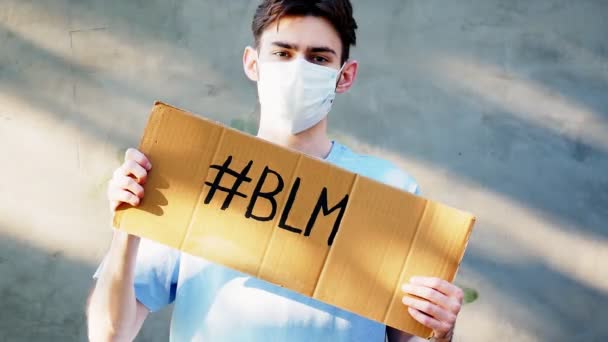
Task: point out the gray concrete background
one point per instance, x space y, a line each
497 107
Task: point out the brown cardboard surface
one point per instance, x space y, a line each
335 236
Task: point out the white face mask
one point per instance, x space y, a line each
295 95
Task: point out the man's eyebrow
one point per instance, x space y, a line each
315 49
285 45
323 49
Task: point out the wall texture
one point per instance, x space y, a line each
497 107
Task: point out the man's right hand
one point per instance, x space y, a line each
126 185
113 311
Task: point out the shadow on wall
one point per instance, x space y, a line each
36 84
520 154
43 296
117 64
543 297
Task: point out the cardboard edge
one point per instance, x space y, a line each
160 104
228 128
154 115
471 222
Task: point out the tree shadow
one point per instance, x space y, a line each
42 85
43 296
544 170
574 310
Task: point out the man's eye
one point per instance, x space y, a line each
320 59
281 54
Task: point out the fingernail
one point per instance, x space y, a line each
414 279
405 287
406 300
149 166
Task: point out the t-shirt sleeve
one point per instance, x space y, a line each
156 273
398 178
417 190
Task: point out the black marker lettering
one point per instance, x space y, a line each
257 192
292 196
322 205
239 178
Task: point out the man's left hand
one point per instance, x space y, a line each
440 304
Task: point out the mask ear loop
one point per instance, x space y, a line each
340 74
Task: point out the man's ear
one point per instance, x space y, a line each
349 74
250 63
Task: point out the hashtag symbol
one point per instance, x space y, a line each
239 178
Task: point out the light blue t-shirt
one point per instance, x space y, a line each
215 303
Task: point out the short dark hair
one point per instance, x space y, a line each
338 12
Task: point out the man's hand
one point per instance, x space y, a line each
113 311
126 184
438 307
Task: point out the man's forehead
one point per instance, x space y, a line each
302 31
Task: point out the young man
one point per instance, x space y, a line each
300 61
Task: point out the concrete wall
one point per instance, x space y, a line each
497 107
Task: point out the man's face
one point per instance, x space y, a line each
308 37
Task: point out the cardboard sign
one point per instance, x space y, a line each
291 219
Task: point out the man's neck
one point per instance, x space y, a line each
312 142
